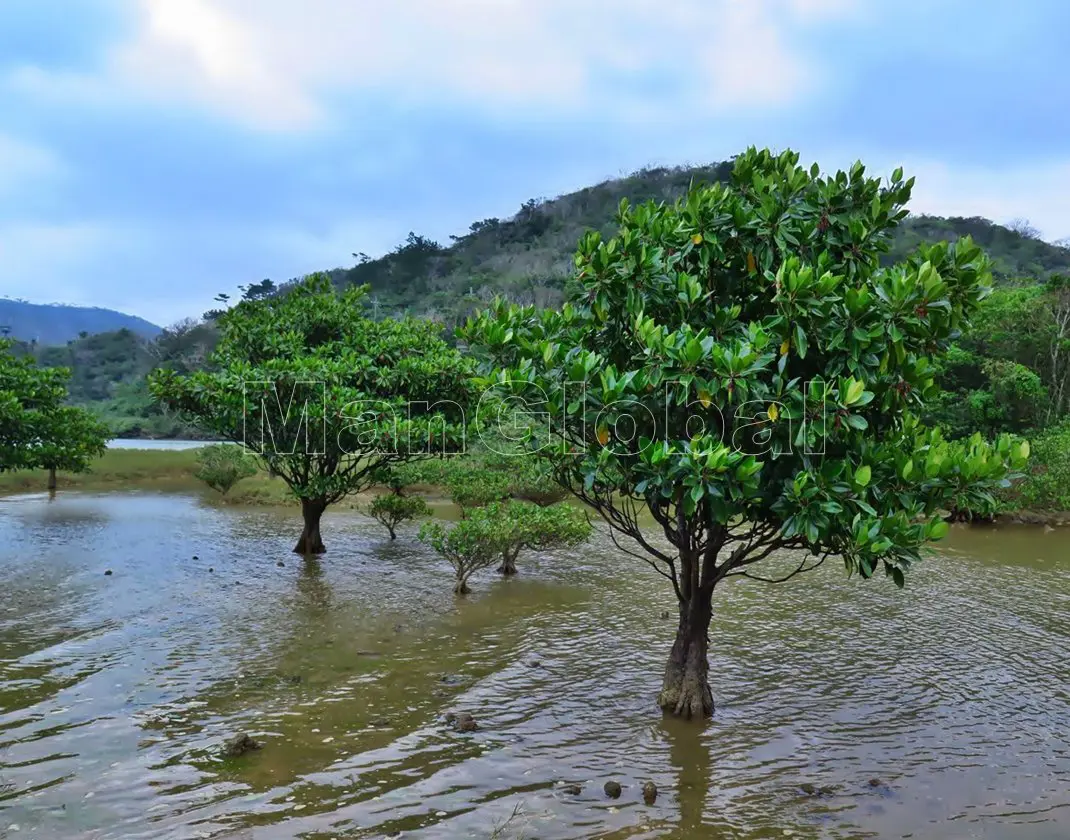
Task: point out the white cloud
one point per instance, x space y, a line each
275 63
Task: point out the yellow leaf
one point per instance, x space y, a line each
784 347
752 264
697 238
773 412
704 397
603 435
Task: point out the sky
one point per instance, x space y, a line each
156 152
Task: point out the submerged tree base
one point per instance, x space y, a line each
507 568
686 695
309 546
685 690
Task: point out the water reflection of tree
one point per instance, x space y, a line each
690 757
314 599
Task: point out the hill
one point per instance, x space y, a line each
528 257
56 323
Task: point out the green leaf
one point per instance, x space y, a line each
938 530
863 475
855 389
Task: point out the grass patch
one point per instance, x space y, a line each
111 471
133 469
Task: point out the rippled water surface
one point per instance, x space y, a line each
845 708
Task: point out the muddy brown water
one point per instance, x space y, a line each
117 691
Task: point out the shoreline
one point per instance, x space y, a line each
173 469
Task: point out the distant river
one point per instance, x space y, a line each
123 443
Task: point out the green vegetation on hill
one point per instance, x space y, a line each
109 371
1000 376
529 258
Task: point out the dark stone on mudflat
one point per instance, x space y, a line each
573 790
612 789
239 745
650 793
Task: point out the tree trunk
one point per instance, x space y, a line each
51 479
310 543
508 566
685 691
461 587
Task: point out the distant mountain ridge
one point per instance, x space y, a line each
58 323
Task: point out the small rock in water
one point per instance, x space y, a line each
195 557
211 569
808 788
280 564
875 783
465 723
451 717
664 614
239 745
573 790
612 789
650 793
107 572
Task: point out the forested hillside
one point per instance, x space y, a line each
1008 374
529 256
55 323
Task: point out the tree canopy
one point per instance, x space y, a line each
326 397
37 429
741 365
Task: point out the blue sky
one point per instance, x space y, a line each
156 152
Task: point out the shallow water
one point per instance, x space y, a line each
117 691
155 445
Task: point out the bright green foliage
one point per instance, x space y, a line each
37 431
470 545
391 509
1010 370
492 470
533 526
471 486
1046 485
741 366
761 303
499 532
223 465
325 396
